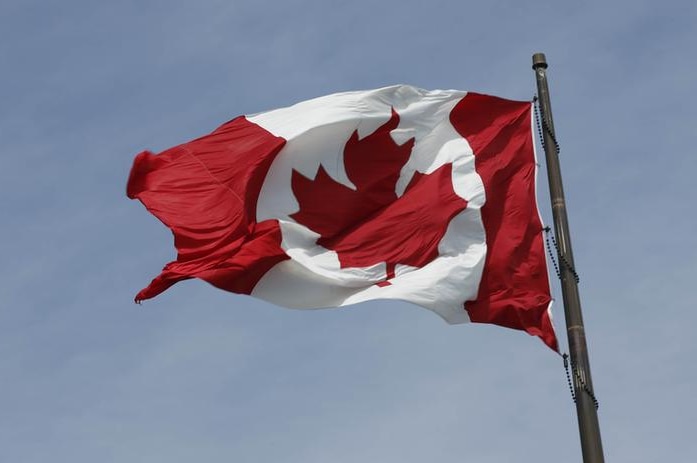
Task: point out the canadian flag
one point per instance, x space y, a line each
394 193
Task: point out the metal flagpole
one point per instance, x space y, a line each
591 444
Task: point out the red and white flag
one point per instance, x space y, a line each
395 193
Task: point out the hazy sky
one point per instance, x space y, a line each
202 375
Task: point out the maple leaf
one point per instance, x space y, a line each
371 224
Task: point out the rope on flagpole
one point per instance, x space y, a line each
548 231
562 259
542 125
578 377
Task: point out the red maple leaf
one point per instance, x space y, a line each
371 224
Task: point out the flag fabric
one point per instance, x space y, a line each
394 193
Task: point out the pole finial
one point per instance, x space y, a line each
539 61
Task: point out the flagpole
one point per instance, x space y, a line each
589 429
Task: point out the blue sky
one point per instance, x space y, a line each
202 375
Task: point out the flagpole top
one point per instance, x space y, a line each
539 61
